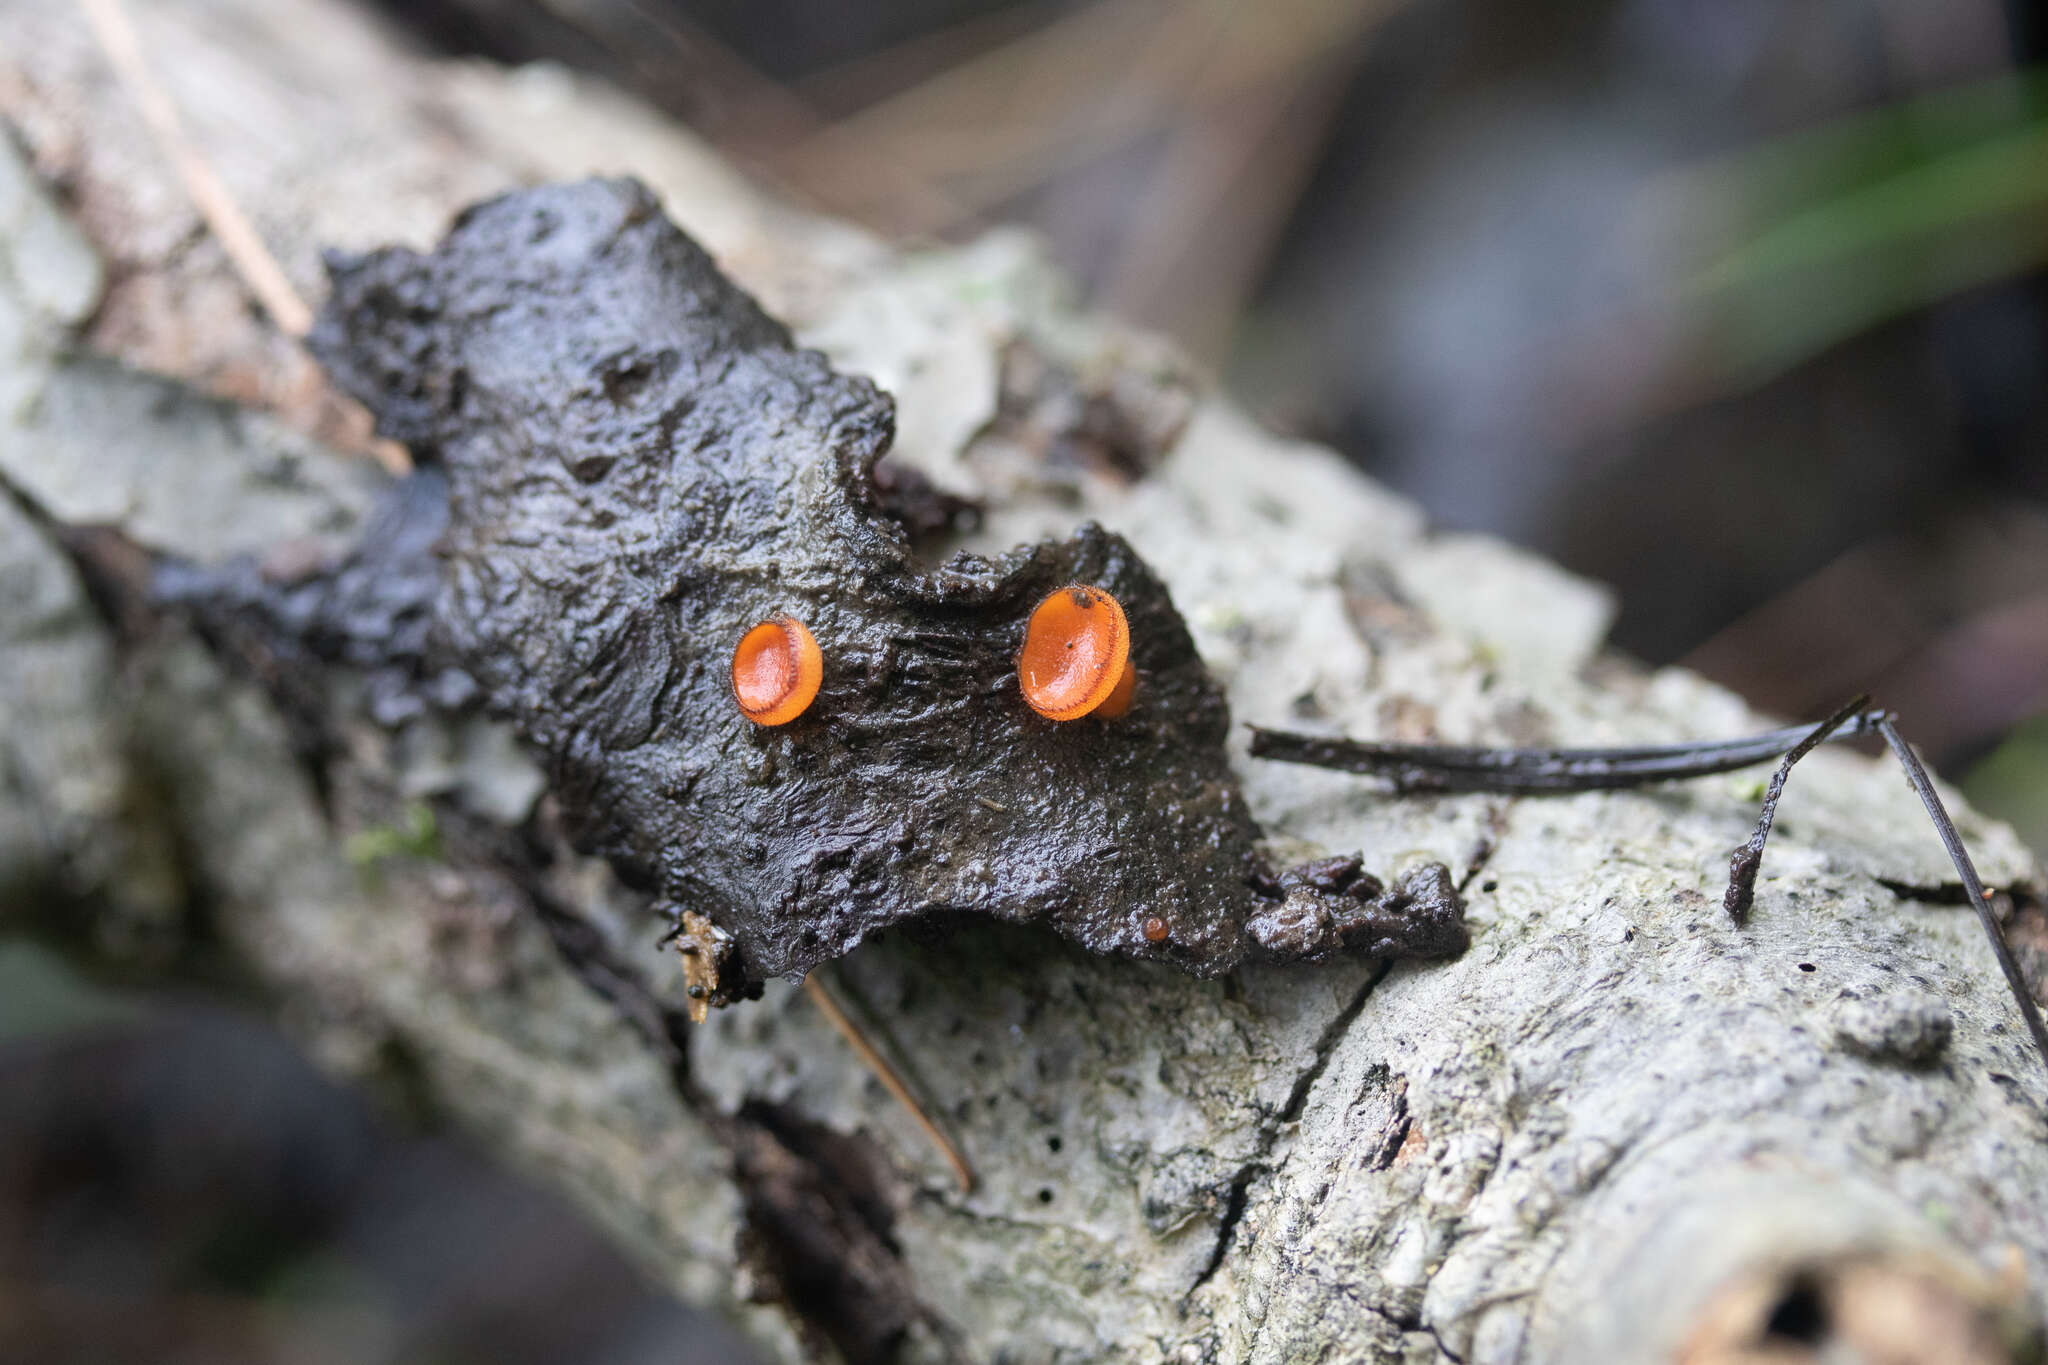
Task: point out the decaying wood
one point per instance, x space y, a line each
1616 1129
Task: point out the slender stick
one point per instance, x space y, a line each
1746 860
1452 768
252 260
1428 767
1967 870
892 1082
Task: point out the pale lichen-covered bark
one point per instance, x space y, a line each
1615 1129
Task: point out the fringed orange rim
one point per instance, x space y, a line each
1076 656
776 671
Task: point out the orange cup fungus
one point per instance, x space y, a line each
1077 655
776 671
1119 700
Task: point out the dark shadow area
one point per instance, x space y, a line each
178 1184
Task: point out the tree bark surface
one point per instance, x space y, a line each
1618 1128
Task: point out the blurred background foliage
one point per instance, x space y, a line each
1736 305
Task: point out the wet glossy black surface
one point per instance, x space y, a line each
638 467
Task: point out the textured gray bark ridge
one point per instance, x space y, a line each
1610 1130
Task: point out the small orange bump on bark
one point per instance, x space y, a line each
1119 699
1077 646
1154 929
776 671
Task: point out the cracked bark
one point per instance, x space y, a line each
1616 1129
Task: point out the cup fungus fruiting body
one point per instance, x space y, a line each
776 671
1077 651
1119 700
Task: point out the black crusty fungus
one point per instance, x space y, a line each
639 467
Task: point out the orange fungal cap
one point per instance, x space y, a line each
1077 648
776 671
1119 700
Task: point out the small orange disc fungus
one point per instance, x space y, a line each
776 671
1077 648
1119 700
1154 929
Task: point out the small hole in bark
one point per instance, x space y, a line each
1800 1315
1045 1196
1489 887
1054 1142
626 378
1806 967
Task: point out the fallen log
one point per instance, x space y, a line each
1617 1128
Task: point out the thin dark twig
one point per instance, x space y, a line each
1745 861
1451 768
1967 870
1447 768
